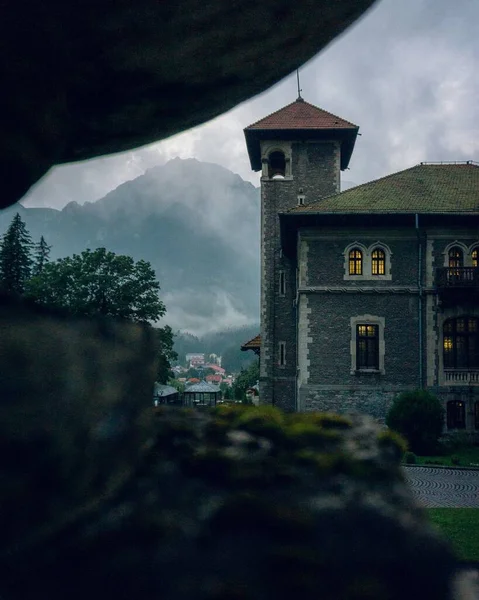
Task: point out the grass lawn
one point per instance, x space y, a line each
467 456
461 526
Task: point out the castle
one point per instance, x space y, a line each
368 292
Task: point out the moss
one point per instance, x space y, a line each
264 421
394 443
310 435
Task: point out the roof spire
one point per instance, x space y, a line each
299 98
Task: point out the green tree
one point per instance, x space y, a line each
418 416
15 256
42 254
166 354
99 282
247 378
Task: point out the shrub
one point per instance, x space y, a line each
419 417
457 440
455 460
410 458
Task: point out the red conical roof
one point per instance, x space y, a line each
301 115
301 120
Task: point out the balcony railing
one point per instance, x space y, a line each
457 277
461 376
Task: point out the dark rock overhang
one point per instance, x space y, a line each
86 79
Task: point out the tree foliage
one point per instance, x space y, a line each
100 282
247 378
42 256
418 416
166 354
15 256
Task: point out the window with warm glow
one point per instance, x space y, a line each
355 262
367 347
456 258
474 256
461 343
456 414
378 262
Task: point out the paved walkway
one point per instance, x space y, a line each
444 488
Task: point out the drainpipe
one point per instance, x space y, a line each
419 285
296 305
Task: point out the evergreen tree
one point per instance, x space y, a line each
42 253
15 256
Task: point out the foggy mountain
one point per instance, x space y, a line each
196 223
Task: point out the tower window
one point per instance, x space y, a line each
378 262
282 284
474 257
282 354
355 262
276 165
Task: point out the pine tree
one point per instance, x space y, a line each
42 253
15 256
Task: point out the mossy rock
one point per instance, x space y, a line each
248 503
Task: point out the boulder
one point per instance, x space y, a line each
243 503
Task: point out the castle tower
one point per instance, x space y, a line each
300 151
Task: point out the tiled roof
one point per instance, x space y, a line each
425 188
301 115
202 387
164 390
252 344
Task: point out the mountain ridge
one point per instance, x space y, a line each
196 223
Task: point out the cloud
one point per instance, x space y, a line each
189 312
406 74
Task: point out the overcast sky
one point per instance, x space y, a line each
407 74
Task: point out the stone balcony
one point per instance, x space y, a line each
461 377
457 277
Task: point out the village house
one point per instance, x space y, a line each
368 292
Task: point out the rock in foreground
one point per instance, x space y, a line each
250 504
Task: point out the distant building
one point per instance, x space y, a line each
215 368
214 359
195 360
214 379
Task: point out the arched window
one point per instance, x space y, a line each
456 414
378 262
276 165
456 258
355 262
474 256
461 343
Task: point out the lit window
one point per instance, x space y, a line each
461 343
367 351
456 259
474 258
456 414
355 262
378 262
